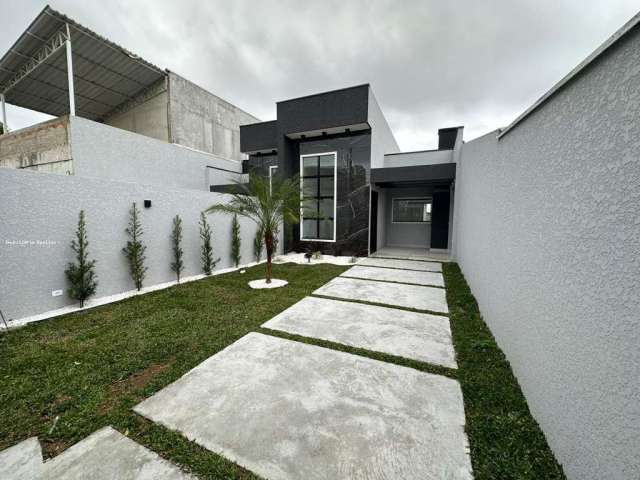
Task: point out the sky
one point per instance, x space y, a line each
431 63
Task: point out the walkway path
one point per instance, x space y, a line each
290 410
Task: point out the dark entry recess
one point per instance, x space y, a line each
373 223
440 219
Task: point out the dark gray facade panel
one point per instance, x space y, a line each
259 136
447 138
352 203
348 106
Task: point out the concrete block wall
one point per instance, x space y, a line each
200 120
547 234
38 218
44 147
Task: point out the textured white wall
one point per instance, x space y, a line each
111 153
548 236
38 218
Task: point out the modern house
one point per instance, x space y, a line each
359 192
541 216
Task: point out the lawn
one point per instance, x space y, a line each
65 378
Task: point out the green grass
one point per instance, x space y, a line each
88 369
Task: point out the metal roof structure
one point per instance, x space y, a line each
101 74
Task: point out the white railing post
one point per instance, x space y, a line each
72 100
5 127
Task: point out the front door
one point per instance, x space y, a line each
373 223
440 219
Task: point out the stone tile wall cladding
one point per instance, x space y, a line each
352 205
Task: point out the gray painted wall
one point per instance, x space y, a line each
382 139
200 120
548 237
38 218
111 153
405 234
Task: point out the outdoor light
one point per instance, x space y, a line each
147 204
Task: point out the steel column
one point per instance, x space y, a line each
72 100
4 114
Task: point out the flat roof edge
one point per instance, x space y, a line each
612 40
325 93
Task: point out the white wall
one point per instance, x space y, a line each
548 236
107 152
408 159
416 235
38 218
382 139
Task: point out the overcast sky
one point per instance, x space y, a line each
431 63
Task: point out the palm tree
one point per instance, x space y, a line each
267 204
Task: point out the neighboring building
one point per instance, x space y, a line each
111 86
360 193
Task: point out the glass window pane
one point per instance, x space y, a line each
411 210
326 208
327 186
310 187
309 229
327 164
309 166
310 208
326 230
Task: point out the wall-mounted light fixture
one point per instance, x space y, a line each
147 204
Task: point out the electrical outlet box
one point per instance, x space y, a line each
56 293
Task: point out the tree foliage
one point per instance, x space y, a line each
81 274
176 246
258 244
267 205
135 249
206 252
236 241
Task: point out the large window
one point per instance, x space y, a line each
411 210
318 197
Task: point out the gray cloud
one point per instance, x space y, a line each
431 63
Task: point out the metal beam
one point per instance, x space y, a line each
56 42
72 98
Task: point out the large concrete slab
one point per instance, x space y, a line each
107 455
394 294
395 275
104 455
22 461
402 264
419 336
288 410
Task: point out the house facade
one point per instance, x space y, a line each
359 193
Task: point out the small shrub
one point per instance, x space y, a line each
176 245
134 251
258 244
236 256
81 274
206 253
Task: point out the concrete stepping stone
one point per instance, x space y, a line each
394 294
418 336
402 264
395 275
104 455
288 410
22 461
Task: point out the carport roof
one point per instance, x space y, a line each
33 73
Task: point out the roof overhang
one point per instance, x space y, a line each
33 73
419 174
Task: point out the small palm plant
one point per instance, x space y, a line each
267 207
